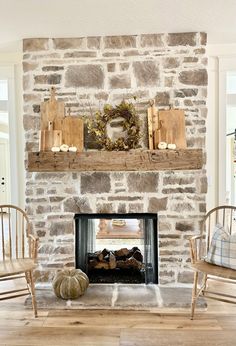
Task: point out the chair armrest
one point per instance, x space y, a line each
193 247
195 237
34 245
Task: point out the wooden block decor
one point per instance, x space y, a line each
49 139
56 129
133 160
150 128
156 125
172 128
73 132
166 126
51 110
152 124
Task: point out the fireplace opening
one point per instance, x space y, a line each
114 248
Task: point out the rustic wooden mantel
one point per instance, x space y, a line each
134 160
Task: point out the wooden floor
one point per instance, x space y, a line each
216 326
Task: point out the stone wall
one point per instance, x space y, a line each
86 73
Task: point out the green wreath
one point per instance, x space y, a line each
98 127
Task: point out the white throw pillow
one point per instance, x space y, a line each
222 249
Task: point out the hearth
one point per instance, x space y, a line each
114 248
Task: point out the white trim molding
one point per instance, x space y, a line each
226 65
8 72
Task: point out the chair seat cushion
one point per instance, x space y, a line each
16 266
214 270
222 251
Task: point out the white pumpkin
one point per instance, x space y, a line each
64 147
55 149
171 146
162 145
73 149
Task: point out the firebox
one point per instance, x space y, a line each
114 248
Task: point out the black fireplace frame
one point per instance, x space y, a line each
140 216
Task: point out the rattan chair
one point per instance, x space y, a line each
199 246
18 252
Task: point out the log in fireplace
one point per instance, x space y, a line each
117 247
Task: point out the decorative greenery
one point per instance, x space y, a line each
98 126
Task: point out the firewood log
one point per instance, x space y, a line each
105 252
92 263
122 252
92 256
99 255
112 261
138 256
132 251
133 263
129 263
134 248
106 258
102 265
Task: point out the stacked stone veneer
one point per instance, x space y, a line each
86 73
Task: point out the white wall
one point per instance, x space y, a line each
212 129
222 58
14 62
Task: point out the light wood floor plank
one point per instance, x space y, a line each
143 321
177 338
59 336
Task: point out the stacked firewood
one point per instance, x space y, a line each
123 259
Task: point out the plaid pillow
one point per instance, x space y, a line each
222 250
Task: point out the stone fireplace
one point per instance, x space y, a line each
170 68
113 248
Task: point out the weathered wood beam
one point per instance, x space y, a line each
134 160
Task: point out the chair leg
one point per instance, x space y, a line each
30 281
204 283
194 294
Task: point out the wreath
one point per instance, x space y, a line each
98 127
